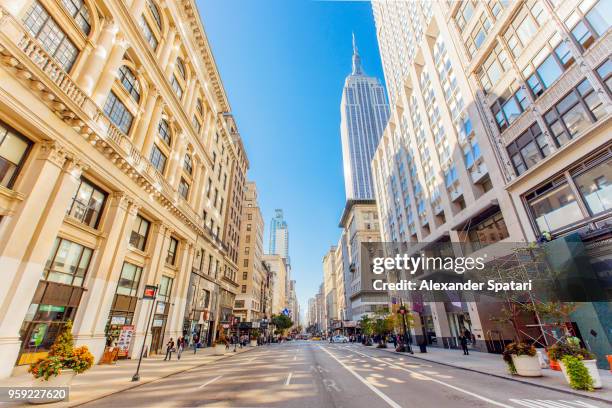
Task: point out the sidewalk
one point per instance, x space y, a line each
492 364
103 380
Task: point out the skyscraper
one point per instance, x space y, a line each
279 236
364 113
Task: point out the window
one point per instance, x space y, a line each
471 153
595 186
239 304
13 150
507 110
497 6
158 159
178 90
164 132
605 73
574 113
464 15
588 25
154 13
554 206
172 250
549 69
216 197
208 187
53 39
525 25
183 189
243 289
165 289
188 164
493 67
68 263
148 33
528 149
245 263
248 227
489 231
245 275
129 82
118 113
87 203
180 66
196 124
478 34
129 280
80 14
199 107
599 17
140 231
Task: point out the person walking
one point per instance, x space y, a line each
196 341
169 349
180 345
464 345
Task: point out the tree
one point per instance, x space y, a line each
383 324
282 322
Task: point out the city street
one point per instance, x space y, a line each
319 374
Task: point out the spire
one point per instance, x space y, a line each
356 59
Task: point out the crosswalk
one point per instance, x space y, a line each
541 403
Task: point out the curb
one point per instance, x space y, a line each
139 384
548 387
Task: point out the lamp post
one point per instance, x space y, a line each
150 292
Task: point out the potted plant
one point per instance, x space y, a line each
522 360
254 337
578 365
63 362
221 344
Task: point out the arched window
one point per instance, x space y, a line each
164 132
129 82
78 10
155 13
180 66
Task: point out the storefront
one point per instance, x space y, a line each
162 308
199 318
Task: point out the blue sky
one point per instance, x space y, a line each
283 64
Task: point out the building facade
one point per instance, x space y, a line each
251 275
278 282
499 131
329 286
363 116
111 134
279 236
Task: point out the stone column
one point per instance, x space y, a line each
149 136
174 170
174 50
441 324
108 75
145 120
28 239
92 68
174 325
91 317
193 197
164 54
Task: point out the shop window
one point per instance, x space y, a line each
554 206
87 203
172 251
140 232
68 263
14 149
53 39
129 280
489 231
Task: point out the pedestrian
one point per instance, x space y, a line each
169 349
464 345
394 337
196 340
180 345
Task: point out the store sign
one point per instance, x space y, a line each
125 339
149 292
256 325
158 322
118 320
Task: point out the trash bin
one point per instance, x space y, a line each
423 347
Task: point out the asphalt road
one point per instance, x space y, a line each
318 374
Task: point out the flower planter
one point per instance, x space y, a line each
527 366
253 343
591 366
62 380
219 350
609 356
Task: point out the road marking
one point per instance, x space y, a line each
210 381
364 381
551 403
250 360
288 379
481 397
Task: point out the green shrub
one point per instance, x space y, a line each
579 376
559 350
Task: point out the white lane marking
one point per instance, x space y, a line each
481 397
551 403
364 381
288 378
210 381
250 360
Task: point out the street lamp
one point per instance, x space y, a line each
150 292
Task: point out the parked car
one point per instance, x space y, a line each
340 339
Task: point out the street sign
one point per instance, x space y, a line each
149 292
286 312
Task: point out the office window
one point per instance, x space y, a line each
549 69
243 289
188 164
196 124
528 149
129 82
164 132
165 288
183 189
158 159
118 113
493 67
588 23
140 232
80 13
53 39
129 280
464 15
507 109
172 250
525 25
180 66
68 263
208 187
605 73
478 34
178 89
148 33
87 203
199 107
14 149
595 186
574 113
